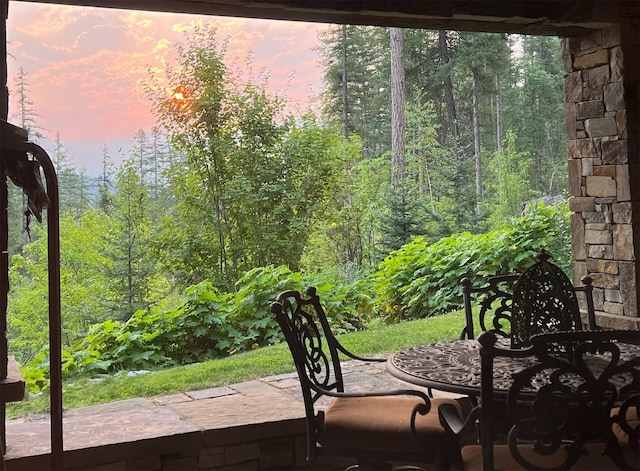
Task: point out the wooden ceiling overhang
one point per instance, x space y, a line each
536 17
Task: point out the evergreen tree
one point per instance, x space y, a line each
105 180
74 189
19 215
128 241
403 222
366 92
537 91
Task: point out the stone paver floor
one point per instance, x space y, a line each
206 409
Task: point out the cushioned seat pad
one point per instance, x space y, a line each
504 460
379 423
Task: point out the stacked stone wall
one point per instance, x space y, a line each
601 110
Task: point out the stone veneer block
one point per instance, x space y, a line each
601 186
613 295
578 246
623 242
597 226
600 251
570 120
594 59
598 76
580 204
628 288
622 213
601 127
613 308
592 237
212 457
591 93
621 122
593 217
277 454
609 267
623 183
605 280
240 453
590 41
614 96
575 177
589 109
581 148
598 299
573 92
617 64
579 270
611 36
587 167
605 171
615 152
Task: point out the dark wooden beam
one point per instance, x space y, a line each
538 17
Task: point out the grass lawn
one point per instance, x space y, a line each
377 340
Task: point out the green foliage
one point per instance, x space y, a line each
275 359
254 325
418 280
205 325
83 281
251 181
421 280
508 172
127 244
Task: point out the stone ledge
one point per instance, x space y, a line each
612 321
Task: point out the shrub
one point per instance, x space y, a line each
420 280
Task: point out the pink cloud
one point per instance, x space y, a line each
85 65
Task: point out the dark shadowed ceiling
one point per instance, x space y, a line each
559 17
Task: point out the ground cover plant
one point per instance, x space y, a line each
378 339
417 281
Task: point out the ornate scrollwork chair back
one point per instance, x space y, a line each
567 411
545 300
494 305
374 428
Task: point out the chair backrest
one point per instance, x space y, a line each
544 300
561 406
314 350
494 311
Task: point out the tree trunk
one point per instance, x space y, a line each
345 101
448 85
398 163
476 143
499 130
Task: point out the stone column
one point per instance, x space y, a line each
601 97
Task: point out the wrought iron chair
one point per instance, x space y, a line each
494 312
577 411
376 429
544 300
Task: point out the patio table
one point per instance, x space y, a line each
454 366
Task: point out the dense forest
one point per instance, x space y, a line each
422 136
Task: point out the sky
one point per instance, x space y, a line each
85 68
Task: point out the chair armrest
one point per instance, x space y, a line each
454 424
346 352
392 392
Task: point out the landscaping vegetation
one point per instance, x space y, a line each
377 340
171 264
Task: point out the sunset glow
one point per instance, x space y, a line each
97 56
